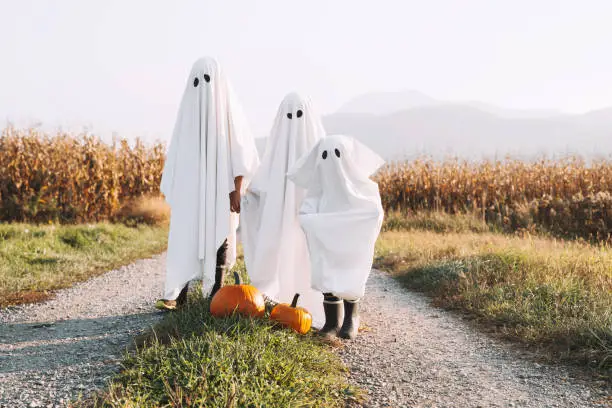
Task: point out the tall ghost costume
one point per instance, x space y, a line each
341 216
210 147
276 253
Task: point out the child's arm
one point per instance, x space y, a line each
235 195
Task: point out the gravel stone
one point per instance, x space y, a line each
410 355
52 352
414 355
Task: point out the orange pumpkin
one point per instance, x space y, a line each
296 318
244 299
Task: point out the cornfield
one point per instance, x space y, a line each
66 178
566 197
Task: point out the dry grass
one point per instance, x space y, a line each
77 178
68 178
555 295
568 197
460 186
145 210
436 222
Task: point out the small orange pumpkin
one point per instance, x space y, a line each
244 299
296 318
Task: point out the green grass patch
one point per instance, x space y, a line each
193 359
553 295
35 260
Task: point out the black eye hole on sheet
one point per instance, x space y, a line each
196 81
207 77
290 115
337 152
324 155
299 113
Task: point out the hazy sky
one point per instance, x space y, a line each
122 65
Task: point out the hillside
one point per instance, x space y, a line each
406 124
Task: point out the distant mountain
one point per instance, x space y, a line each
513 113
385 103
407 124
597 118
382 103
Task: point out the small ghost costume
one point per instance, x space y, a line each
341 214
275 248
210 146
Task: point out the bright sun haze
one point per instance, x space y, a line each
121 66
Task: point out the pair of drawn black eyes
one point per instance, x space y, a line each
196 81
299 114
324 155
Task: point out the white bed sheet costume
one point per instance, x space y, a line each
275 248
211 145
341 216
342 213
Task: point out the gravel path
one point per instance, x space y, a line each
415 355
53 351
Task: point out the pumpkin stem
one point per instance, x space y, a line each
237 278
295 298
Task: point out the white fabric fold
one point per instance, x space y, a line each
341 214
210 146
276 253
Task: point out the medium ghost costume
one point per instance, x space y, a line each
210 146
341 216
276 253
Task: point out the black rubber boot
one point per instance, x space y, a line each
332 306
220 270
270 303
182 297
350 327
